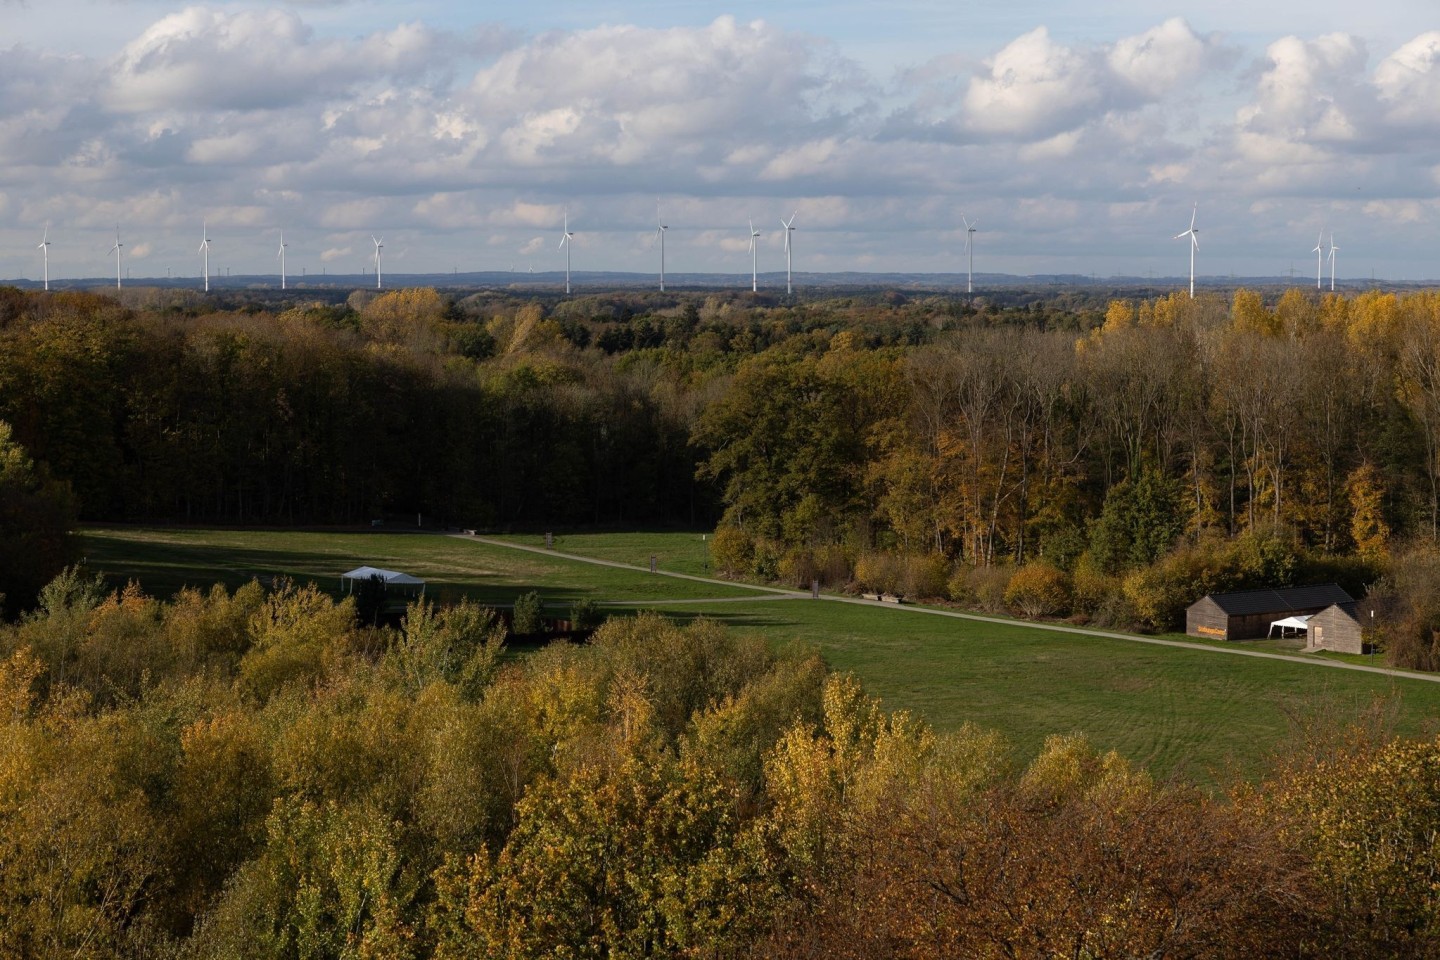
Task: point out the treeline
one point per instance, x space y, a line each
487 410
254 775
336 415
1181 446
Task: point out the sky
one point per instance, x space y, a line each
1077 138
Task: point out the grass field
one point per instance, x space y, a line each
164 560
680 552
1194 711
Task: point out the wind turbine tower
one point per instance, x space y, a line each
754 258
379 245
970 249
205 249
1193 234
1333 250
1319 254
567 240
789 226
282 259
116 250
660 229
45 253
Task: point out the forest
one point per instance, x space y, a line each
251 774
262 773
1107 462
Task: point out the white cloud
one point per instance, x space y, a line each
1409 82
627 95
203 58
1309 90
1159 60
332 254
1034 85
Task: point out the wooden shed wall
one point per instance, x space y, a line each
1254 626
1204 618
1334 629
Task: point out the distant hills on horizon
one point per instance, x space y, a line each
806 284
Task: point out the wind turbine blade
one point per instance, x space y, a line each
1195 210
1195 240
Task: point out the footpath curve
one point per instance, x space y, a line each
780 593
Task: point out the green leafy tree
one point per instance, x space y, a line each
527 613
1141 519
37 517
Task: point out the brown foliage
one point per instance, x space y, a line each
1081 858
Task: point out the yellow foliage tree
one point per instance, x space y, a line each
1367 512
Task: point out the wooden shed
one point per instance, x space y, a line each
1338 627
1247 614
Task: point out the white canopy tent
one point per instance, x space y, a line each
391 578
1290 623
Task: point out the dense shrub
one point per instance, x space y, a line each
798 568
980 587
879 572
732 551
1407 609
926 576
1039 589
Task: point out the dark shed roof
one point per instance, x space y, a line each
1282 600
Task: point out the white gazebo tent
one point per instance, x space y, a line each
391 578
1290 623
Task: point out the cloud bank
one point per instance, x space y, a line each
465 145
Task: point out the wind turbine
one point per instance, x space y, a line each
282 259
1193 234
1319 254
379 245
205 249
970 249
754 258
1333 248
567 240
789 226
116 250
45 252
660 229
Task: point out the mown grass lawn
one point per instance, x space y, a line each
679 552
164 560
1191 711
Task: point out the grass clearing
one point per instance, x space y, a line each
679 552
1193 711
164 560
